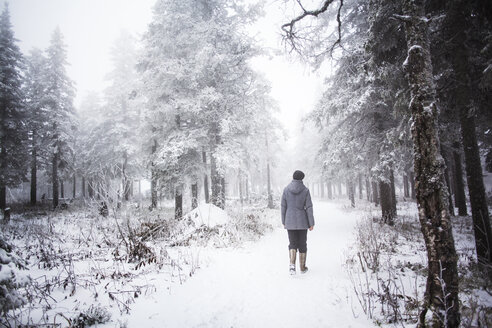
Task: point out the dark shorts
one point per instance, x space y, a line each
297 240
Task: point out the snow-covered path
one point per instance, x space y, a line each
251 287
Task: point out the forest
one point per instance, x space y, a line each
127 198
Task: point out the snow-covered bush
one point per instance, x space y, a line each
382 271
93 315
10 279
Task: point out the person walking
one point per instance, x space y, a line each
297 218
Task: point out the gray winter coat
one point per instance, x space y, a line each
297 207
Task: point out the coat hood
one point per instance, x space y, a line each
296 186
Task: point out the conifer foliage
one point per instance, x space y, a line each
13 117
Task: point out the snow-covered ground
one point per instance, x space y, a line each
251 287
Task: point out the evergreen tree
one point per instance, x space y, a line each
13 117
34 92
58 100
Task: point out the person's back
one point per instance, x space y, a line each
297 218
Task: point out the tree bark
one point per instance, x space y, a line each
83 187
194 195
385 194
62 188
74 187
393 193
459 195
448 184
178 201
441 295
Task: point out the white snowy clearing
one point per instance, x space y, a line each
251 287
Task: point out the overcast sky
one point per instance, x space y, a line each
91 26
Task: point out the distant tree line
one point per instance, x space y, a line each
183 108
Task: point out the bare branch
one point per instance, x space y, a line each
289 28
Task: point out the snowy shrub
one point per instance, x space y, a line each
370 242
93 315
385 286
10 279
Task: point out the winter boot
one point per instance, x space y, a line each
292 267
302 262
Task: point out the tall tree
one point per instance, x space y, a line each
34 92
456 24
58 99
13 116
441 295
197 93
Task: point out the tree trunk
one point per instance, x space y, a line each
412 185
459 195
386 203
448 184
329 189
62 188
351 192
178 201
3 197
368 190
205 179
441 295
153 180
74 187
217 179
360 187
83 187
125 181
455 25
194 195
269 188
34 170
393 193
406 188
375 194
339 189
55 178
90 187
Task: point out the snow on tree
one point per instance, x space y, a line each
199 87
58 99
35 87
13 125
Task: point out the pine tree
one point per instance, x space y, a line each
34 92
13 117
58 100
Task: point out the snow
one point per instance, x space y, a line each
209 215
251 286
